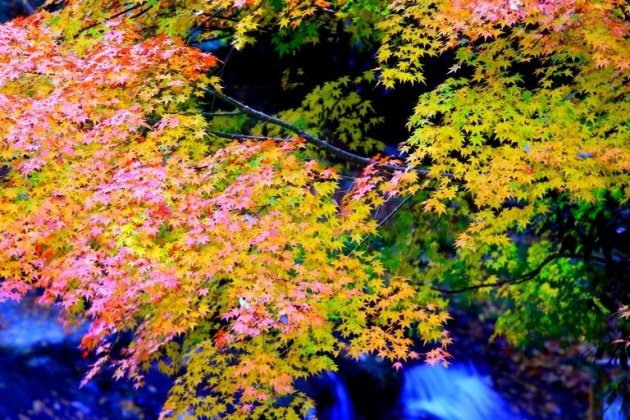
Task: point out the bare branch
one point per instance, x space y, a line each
112 17
322 144
382 222
236 136
521 279
222 114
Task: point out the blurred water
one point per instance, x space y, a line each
458 392
342 409
614 411
41 367
21 329
336 403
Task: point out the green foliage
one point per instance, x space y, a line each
334 111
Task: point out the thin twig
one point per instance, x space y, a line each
522 279
222 114
112 17
326 117
236 136
140 13
221 71
391 213
382 222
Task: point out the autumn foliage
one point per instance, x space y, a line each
226 260
239 266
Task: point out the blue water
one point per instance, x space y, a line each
22 328
458 392
41 367
342 409
614 411
337 405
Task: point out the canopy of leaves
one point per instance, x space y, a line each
527 139
223 241
229 262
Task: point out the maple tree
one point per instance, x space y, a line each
225 259
222 239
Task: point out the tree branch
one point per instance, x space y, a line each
246 137
222 114
322 144
140 13
112 17
522 279
382 222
